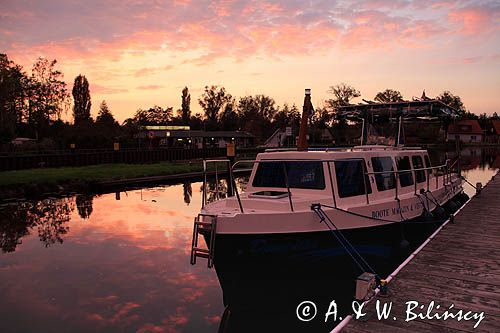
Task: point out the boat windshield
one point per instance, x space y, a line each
300 174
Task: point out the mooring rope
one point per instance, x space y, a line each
350 249
434 200
468 182
400 210
422 202
373 218
356 214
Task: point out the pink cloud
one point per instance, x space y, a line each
444 4
146 71
202 32
226 28
375 29
98 89
476 20
123 311
150 87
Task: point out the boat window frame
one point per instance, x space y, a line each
417 169
286 180
428 165
404 172
382 176
367 189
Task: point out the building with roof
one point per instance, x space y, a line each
164 136
467 131
493 134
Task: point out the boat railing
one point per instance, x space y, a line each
443 171
446 176
205 182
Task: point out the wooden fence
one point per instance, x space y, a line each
9 161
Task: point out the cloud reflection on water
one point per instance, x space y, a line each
123 267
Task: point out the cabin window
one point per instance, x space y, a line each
404 171
428 164
418 164
385 181
350 178
301 174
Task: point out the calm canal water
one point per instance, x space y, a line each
120 262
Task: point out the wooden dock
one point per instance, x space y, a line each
460 266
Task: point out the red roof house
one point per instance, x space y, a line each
467 130
493 133
496 126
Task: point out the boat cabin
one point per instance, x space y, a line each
370 172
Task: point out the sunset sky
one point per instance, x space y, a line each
138 53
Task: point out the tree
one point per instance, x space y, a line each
252 107
388 96
342 95
81 97
256 114
13 85
229 117
212 101
286 116
265 106
188 192
84 205
131 127
154 116
321 118
105 116
186 106
49 218
47 94
196 122
453 101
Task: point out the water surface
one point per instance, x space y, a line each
107 263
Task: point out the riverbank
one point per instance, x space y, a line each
35 183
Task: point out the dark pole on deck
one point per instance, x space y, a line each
285 172
306 111
230 154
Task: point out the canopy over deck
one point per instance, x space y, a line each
426 109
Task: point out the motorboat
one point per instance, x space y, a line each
330 211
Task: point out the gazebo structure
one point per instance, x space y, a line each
371 113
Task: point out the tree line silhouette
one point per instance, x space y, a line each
31 105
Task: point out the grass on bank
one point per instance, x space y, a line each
90 173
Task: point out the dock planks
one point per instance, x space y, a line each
460 266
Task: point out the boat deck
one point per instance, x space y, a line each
460 266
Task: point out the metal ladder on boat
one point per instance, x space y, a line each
201 225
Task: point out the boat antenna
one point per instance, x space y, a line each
398 132
306 112
362 132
